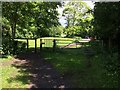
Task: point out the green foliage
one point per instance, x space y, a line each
5 46
56 31
74 11
72 31
77 39
71 63
31 18
27 20
8 48
78 19
106 22
20 47
109 61
107 28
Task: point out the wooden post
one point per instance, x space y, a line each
27 44
54 45
35 45
40 44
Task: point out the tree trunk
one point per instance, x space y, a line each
13 30
13 35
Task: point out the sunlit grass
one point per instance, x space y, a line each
10 76
49 42
6 58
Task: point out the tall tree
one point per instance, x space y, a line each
26 15
33 18
107 22
74 12
11 12
77 14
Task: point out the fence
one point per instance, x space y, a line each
52 43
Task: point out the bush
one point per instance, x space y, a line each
8 48
20 47
77 39
111 64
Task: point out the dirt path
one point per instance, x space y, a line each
40 73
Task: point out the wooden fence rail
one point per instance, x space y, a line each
50 43
41 43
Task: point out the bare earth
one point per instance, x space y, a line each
40 73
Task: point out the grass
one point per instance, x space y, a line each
18 79
49 42
6 58
72 63
10 79
64 59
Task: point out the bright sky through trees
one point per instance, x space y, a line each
60 10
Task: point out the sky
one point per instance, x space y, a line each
62 19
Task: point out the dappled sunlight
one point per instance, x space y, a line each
48 58
34 72
57 65
40 51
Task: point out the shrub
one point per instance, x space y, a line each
8 48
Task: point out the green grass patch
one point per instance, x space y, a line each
9 79
5 58
72 63
64 59
10 75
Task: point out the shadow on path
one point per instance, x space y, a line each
37 72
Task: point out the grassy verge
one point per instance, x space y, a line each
72 64
6 58
10 76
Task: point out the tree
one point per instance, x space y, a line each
30 19
26 15
77 14
56 31
11 13
107 22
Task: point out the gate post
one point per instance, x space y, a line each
54 45
40 44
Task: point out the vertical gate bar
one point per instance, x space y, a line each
40 44
54 45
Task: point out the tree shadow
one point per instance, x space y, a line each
37 72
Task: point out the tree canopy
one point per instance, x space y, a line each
77 15
27 20
31 17
107 21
